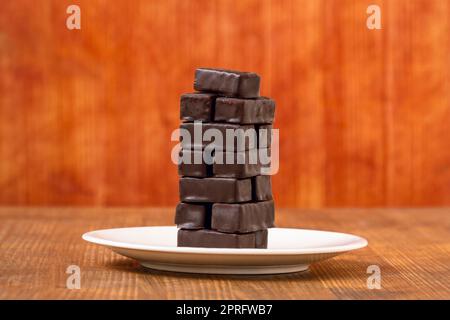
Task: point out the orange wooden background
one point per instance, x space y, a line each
86 116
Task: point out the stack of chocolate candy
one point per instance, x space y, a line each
225 192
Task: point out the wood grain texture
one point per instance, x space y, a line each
86 116
411 247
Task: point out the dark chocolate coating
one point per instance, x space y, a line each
244 111
193 216
193 170
245 136
212 239
197 106
245 164
242 218
224 190
227 82
236 170
262 239
262 188
193 164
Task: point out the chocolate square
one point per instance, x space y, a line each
212 239
244 111
227 82
224 190
193 216
192 164
244 164
197 106
242 218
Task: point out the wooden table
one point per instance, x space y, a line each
411 247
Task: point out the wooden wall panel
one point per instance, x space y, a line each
86 116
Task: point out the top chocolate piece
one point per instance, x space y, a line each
227 82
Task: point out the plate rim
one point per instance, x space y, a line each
358 244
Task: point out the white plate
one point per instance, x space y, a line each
289 250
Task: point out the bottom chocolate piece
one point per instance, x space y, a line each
212 239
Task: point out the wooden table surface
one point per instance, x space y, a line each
411 247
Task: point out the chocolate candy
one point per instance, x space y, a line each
262 188
242 218
227 82
193 163
215 190
261 239
244 137
194 170
244 111
193 216
212 239
236 170
197 106
245 164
